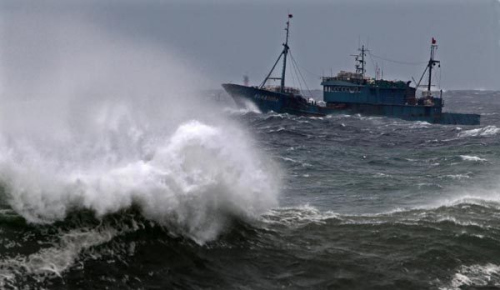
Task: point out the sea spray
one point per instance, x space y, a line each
193 183
105 124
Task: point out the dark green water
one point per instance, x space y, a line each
365 203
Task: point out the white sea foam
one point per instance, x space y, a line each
298 216
62 254
465 223
419 124
483 198
280 129
455 176
288 159
240 111
475 275
486 131
251 107
193 181
382 175
472 158
54 260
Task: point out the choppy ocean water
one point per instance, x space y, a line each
340 202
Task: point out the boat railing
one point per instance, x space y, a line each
288 90
347 79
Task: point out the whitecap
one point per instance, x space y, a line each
298 216
475 275
455 176
472 158
419 124
490 130
55 260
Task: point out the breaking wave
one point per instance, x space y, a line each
193 182
134 134
486 131
487 276
472 158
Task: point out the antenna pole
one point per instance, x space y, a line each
360 61
363 63
285 53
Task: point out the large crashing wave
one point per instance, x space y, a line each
193 181
105 124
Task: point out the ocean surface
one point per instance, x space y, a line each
338 202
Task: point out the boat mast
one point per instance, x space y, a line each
363 62
285 53
432 63
360 61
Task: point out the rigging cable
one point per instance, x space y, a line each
298 78
374 64
396 61
305 83
313 74
294 70
295 80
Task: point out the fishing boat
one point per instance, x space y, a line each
352 93
280 99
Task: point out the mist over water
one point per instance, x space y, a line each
93 121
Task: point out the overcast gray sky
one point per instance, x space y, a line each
226 39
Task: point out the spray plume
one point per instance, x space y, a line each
92 120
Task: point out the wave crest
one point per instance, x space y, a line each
193 183
486 131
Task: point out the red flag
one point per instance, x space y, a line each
433 41
290 15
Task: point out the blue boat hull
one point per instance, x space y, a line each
412 113
267 101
